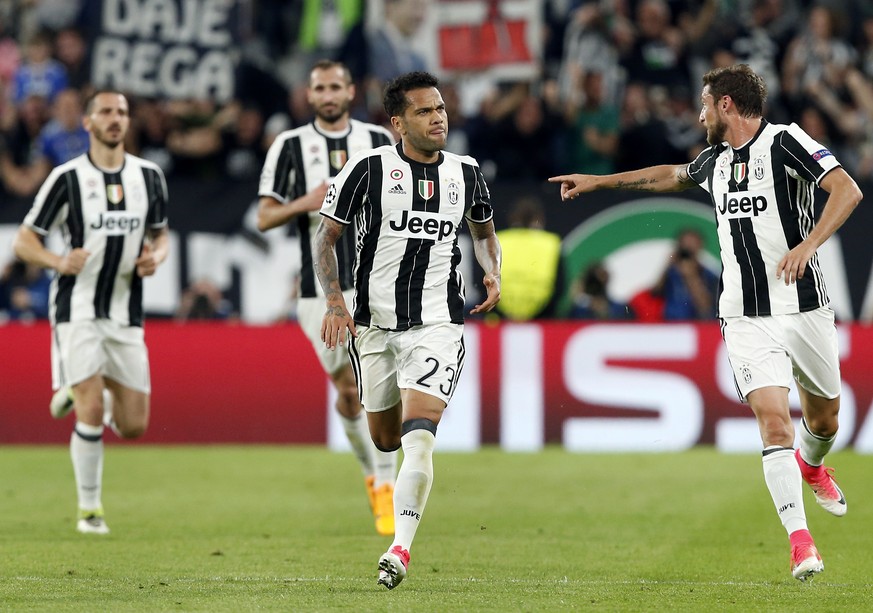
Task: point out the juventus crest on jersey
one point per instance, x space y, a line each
763 194
301 159
407 216
106 213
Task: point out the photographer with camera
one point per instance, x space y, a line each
689 288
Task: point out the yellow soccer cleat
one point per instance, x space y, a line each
383 509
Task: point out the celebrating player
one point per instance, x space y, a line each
772 303
111 207
405 333
298 168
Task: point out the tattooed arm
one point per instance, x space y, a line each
337 320
665 178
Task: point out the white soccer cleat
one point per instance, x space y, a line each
392 567
92 522
61 403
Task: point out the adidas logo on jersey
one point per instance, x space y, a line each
397 189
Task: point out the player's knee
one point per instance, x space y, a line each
132 429
347 403
386 444
823 426
776 432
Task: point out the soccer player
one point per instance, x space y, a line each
112 210
405 332
772 303
299 166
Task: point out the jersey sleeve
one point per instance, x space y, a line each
703 166
480 210
277 173
349 188
156 188
50 204
806 156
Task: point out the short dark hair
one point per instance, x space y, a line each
394 99
89 102
745 87
327 64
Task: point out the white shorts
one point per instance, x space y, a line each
310 314
771 350
82 349
424 358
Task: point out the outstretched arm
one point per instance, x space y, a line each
488 254
664 178
337 319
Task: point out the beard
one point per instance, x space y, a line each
332 114
715 134
109 141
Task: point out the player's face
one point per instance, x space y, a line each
330 94
712 119
424 125
109 119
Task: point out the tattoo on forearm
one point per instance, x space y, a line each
324 260
641 185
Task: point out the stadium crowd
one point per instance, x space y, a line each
617 87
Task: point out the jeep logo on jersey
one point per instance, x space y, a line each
115 193
425 188
742 204
117 223
420 224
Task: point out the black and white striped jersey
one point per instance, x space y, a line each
106 213
407 216
763 194
303 158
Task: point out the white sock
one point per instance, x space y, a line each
384 466
86 451
782 475
813 448
358 433
413 485
108 418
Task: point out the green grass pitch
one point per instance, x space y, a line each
233 528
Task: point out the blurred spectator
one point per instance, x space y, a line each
194 138
71 50
816 52
18 147
644 139
593 137
39 74
391 46
591 298
596 36
243 144
688 288
657 56
24 292
64 137
150 126
532 269
528 131
203 300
